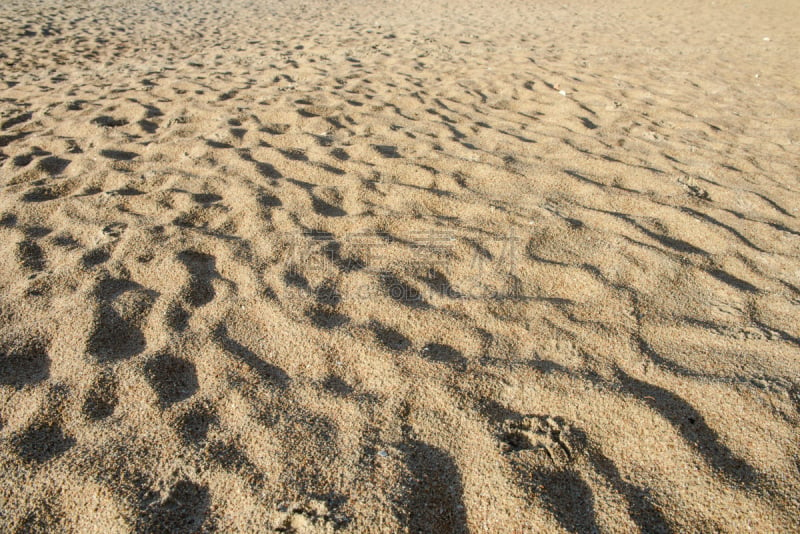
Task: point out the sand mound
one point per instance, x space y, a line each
399 266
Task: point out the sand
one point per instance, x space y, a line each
365 266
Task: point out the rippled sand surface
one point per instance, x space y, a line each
419 266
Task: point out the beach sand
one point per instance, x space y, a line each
423 266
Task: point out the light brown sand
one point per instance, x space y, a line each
216 219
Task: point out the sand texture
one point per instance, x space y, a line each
384 266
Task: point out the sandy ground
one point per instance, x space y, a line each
369 266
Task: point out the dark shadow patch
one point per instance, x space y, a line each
294 154
149 127
336 123
231 458
734 282
6 140
323 140
206 198
23 363
439 283
641 505
774 205
332 250
118 155
66 241
327 294
325 209
588 124
327 318
126 192
389 337
275 129
30 255
337 386
202 269
432 495
267 170
566 495
22 160
785 336
692 426
781 228
42 441
340 154
292 277
173 379
541 449
331 169
669 242
193 425
438 352
401 292
387 151
40 194
269 201
115 333
13 121
267 371
217 144
673 243
152 111
308 186
715 222
35 232
8 220
177 318
108 122
52 165
95 257
101 401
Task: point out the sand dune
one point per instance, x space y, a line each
370 266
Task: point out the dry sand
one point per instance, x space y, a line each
370 266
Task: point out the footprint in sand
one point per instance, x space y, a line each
30 255
324 314
101 400
116 331
441 353
202 270
194 424
15 120
389 337
549 438
173 379
106 121
23 362
42 441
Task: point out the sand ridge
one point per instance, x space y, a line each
399 266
